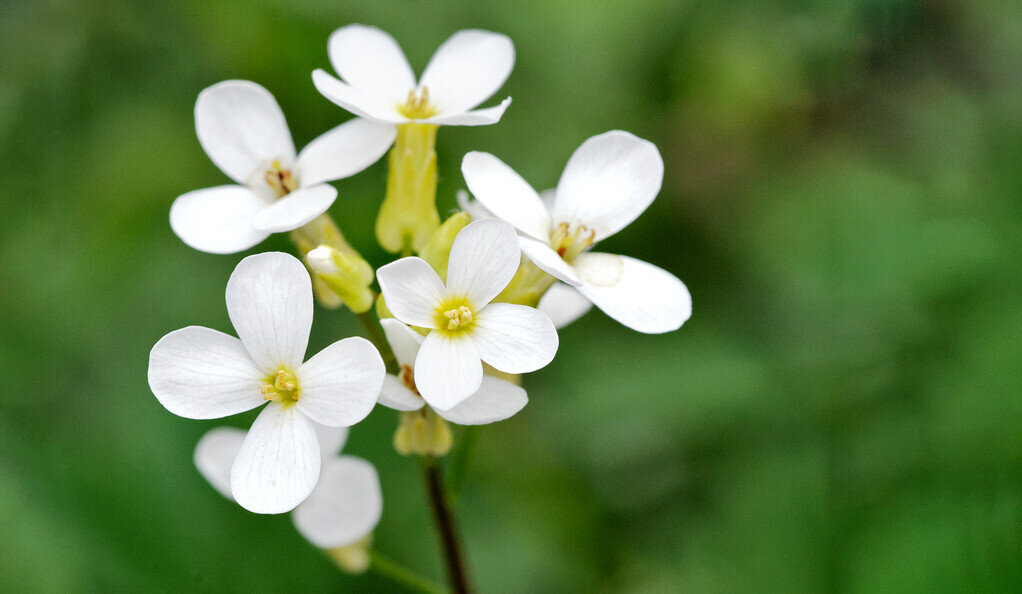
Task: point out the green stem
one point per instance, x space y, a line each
376 336
394 571
457 469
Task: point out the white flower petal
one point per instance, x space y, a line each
397 396
496 400
545 257
447 369
199 373
371 61
468 69
344 151
479 117
340 384
504 193
608 182
214 456
218 220
296 208
278 463
514 338
563 305
548 196
403 340
412 291
484 258
240 124
269 300
636 294
473 207
355 100
331 439
345 505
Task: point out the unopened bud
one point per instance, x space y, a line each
382 311
408 214
438 247
527 285
424 433
353 558
346 274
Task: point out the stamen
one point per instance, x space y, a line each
417 106
571 241
407 378
280 180
458 317
282 388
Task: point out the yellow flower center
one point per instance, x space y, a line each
571 240
417 106
282 388
280 180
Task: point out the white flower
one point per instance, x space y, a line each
241 128
561 303
464 326
379 83
345 505
608 182
496 399
199 373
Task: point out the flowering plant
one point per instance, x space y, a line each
471 305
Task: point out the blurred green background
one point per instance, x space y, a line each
843 198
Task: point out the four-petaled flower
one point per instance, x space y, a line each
495 400
199 373
379 83
464 327
344 507
561 303
608 182
242 129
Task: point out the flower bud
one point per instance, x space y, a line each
527 285
423 432
438 247
353 558
382 311
346 274
408 214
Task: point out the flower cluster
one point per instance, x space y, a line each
472 304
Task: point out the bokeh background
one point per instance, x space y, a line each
843 197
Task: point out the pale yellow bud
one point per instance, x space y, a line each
408 214
438 248
527 285
346 274
353 558
424 433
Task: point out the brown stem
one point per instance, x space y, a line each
442 513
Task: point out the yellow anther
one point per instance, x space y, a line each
417 106
458 317
282 387
571 240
